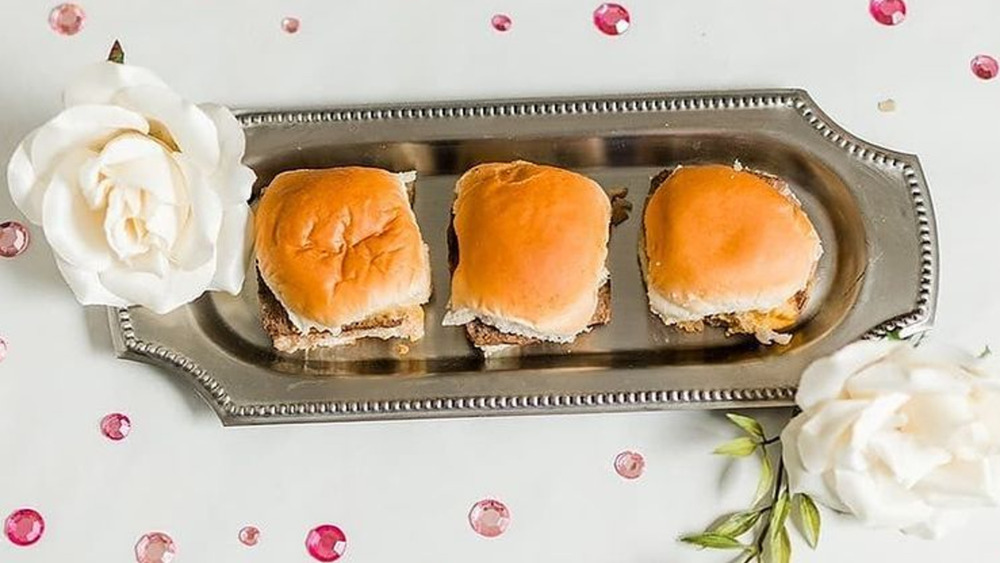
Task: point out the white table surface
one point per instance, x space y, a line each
402 490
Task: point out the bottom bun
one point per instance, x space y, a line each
492 340
401 322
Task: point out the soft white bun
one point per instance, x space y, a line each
532 243
341 245
718 240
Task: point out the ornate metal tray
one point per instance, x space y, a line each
870 205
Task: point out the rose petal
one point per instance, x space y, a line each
87 286
937 418
196 242
801 480
879 416
960 484
23 182
138 161
825 378
826 431
233 181
233 249
125 233
933 353
876 378
80 126
194 132
878 501
161 294
98 83
907 459
73 230
985 406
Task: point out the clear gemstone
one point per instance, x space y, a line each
249 536
155 547
985 67
888 12
501 22
67 19
489 518
326 542
612 19
630 465
887 105
116 426
24 527
290 25
14 239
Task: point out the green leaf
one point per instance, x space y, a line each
713 541
808 518
779 514
766 478
778 547
117 54
735 525
749 425
740 447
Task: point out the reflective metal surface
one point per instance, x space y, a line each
870 206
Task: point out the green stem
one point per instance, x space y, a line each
770 441
778 486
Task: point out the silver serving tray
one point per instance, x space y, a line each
870 205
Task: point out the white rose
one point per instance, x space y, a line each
140 193
898 436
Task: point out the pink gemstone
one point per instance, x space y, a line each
489 518
14 239
501 22
116 426
155 547
888 12
290 25
630 465
326 542
249 536
612 19
3 349
67 19
24 527
985 67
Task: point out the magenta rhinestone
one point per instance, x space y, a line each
630 465
985 67
67 19
249 536
888 12
290 25
326 542
489 518
116 426
501 22
24 527
14 239
155 547
612 19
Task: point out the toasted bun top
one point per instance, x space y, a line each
718 240
339 245
532 245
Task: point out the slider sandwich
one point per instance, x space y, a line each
529 249
727 247
340 257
